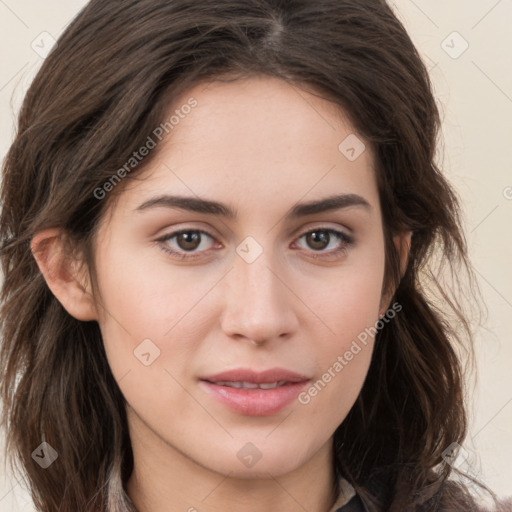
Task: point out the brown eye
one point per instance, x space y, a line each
188 240
318 240
186 243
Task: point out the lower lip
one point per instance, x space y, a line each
255 402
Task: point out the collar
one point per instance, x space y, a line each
345 494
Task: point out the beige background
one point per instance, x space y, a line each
474 88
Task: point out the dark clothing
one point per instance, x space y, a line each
354 505
451 500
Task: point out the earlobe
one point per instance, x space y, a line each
61 272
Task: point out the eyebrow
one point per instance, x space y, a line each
211 207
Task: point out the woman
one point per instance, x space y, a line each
219 221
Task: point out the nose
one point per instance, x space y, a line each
259 303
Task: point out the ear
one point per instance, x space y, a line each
63 274
403 246
402 243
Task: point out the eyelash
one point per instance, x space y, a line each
343 237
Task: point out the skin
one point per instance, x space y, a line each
260 146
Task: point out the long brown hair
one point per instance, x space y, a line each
98 96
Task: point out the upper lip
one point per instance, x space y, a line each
249 375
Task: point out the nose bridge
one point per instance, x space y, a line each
258 304
258 281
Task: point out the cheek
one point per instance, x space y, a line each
142 308
350 300
343 358
143 315
349 307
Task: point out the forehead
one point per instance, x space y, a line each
260 139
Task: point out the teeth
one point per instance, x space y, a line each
251 385
269 385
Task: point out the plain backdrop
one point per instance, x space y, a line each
466 46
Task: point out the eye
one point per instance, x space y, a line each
320 238
188 243
187 240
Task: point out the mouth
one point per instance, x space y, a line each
255 393
254 399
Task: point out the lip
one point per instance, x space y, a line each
255 402
249 375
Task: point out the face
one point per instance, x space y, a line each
276 285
